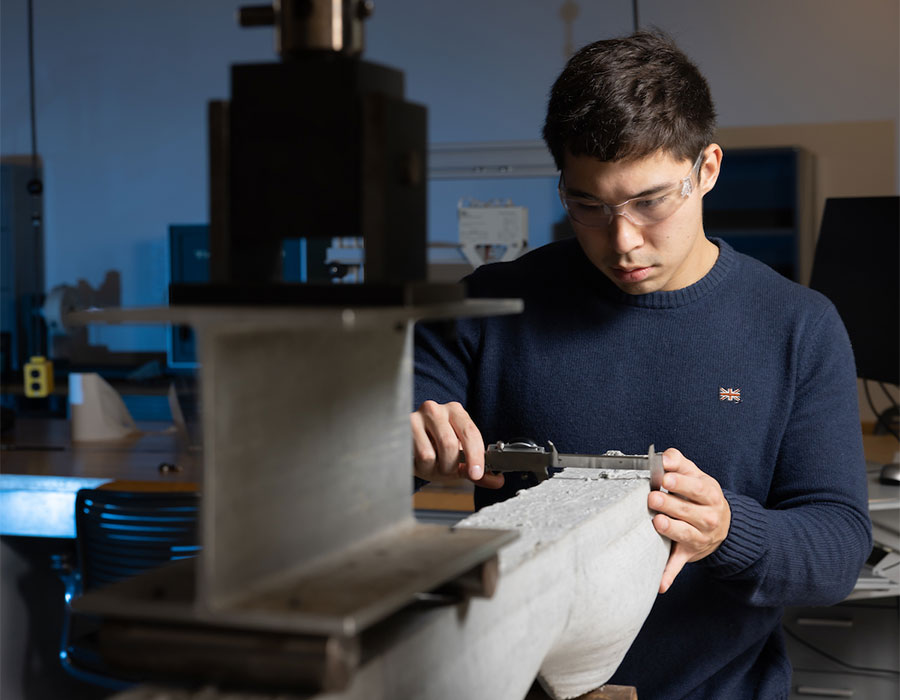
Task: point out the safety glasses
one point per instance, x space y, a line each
641 211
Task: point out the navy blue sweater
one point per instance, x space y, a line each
592 369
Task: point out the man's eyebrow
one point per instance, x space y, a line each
655 189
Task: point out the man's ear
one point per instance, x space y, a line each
709 170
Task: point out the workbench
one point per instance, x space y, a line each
41 469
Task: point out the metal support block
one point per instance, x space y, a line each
306 523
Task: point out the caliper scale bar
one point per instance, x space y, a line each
526 456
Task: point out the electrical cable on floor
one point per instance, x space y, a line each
859 670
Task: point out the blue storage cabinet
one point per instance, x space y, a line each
756 206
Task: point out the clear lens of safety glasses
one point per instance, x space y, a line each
641 211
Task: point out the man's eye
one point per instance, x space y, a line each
581 206
650 203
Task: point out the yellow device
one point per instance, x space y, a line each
38 377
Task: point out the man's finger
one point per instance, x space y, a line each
686 479
677 507
698 489
470 440
491 480
443 438
677 530
674 461
677 559
423 450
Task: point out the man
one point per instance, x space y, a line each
641 330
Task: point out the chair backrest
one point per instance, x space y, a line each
122 533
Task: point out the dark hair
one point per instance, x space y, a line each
627 98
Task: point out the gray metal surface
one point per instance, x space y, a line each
306 444
307 471
234 658
344 595
250 318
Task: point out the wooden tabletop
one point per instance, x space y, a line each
44 448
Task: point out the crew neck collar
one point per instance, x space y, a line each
725 262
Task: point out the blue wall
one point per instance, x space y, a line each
122 88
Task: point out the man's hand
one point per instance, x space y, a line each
694 514
440 431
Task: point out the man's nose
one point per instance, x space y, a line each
624 234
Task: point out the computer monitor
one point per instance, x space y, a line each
856 266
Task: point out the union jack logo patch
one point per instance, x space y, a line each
730 395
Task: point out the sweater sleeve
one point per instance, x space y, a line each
807 544
441 367
443 356
445 352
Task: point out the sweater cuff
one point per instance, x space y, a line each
746 540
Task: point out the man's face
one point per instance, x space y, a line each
663 256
